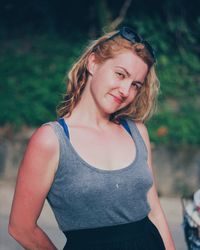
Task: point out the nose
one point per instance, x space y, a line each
124 89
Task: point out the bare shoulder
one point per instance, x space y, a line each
45 138
43 147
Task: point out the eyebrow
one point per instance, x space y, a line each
128 74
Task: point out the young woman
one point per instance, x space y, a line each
94 163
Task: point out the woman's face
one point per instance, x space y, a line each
115 83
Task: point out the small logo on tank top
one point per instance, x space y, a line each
117 185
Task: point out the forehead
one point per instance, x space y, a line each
132 63
128 57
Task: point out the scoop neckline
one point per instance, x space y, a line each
90 166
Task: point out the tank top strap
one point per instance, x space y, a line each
57 129
63 147
137 136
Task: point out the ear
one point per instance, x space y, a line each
91 66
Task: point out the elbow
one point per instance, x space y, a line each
17 232
20 230
13 231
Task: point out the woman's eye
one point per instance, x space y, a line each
137 85
120 75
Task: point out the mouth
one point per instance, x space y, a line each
117 99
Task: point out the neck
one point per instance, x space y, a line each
87 113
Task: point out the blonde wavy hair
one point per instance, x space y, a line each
104 48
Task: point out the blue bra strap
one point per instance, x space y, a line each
64 125
125 125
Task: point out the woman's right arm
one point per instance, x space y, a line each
34 180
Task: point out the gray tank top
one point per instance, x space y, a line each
83 196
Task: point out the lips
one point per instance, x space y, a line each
117 99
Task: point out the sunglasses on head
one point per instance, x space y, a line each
130 35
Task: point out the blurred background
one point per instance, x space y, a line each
40 40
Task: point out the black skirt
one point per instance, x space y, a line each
139 235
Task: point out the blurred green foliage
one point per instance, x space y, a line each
34 64
177 119
32 77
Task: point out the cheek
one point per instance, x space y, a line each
102 84
132 96
96 84
130 99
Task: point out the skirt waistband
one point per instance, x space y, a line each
112 232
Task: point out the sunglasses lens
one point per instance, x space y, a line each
133 37
130 35
150 49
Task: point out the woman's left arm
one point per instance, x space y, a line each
156 214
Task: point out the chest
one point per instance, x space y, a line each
111 150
